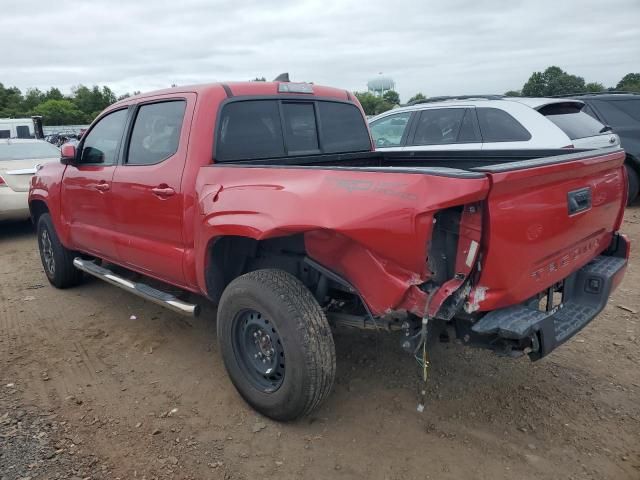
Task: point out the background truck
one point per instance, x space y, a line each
268 199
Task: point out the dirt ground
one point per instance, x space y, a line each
96 383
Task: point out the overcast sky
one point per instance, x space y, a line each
438 48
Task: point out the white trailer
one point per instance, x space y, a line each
16 128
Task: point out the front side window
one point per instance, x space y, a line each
101 143
388 131
156 132
498 126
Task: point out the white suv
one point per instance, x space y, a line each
490 123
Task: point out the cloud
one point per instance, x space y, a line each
439 48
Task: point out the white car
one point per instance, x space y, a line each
490 123
18 162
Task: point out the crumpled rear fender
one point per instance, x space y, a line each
370 227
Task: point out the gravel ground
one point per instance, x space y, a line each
96 383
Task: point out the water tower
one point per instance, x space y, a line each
381 84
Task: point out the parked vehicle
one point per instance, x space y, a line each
18 162
490 123
268 199
621 111
16 128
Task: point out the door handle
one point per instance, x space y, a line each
102 186
163 191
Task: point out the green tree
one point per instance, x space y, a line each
369 102
89 101
513 93
11 102
53 94
417 97
259 79
553 81
32 99
629 78
373 104
630 83
391 97
59 112
594 87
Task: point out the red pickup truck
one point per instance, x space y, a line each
269 200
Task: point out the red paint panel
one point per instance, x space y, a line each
531 241
370 227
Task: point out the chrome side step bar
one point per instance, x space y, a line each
140 289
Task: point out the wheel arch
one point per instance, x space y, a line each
633 161
229 256
37 207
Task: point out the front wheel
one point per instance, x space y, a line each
56 259
276 344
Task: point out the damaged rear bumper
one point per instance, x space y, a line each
584 295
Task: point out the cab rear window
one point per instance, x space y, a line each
262 129
570 118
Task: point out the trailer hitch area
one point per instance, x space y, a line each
411 330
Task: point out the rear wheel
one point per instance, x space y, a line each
56 259
276 344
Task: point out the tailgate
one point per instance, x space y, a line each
547 218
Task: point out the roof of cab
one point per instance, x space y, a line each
246 89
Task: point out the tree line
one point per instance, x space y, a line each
80 107
552 81
85 103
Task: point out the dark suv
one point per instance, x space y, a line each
621 111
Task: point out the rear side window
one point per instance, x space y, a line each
249 130
254 129
444 126
498 126
572 120
156 132
343 128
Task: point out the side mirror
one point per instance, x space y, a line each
68 154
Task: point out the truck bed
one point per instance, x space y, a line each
452 160
515 224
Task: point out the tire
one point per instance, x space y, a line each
633 184
57 261
292 327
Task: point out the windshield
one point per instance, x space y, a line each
572 120
27 151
